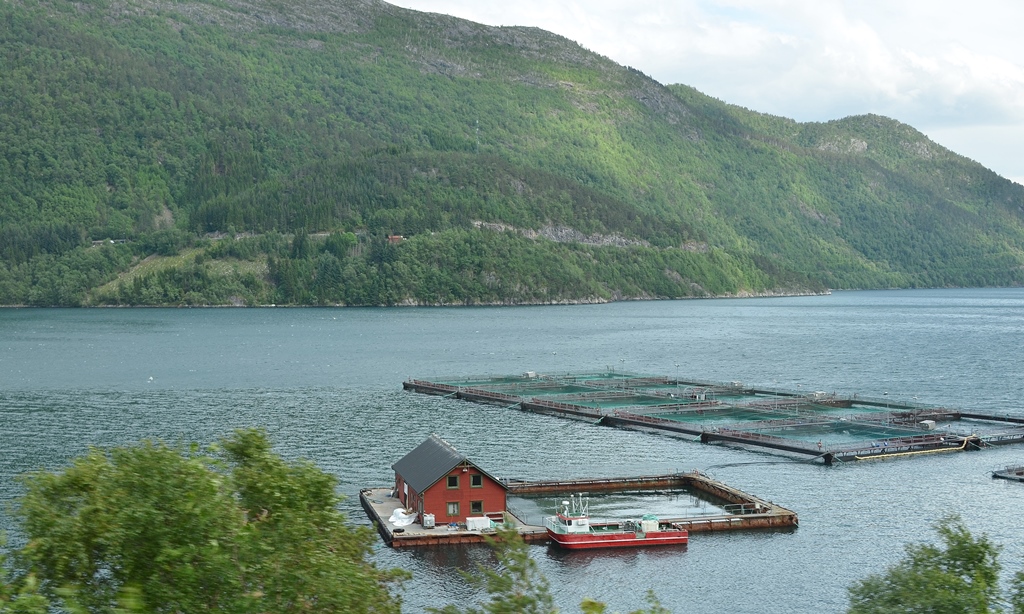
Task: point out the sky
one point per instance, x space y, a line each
953 69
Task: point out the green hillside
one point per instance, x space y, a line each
220 152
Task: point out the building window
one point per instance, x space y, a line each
453 481
476 480
476 507
453 508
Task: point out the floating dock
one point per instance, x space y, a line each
380 505
1015 473
819 426
740 510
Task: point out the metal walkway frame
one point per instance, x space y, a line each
764 417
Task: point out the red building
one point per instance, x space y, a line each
436 479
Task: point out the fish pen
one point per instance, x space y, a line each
699 503
818 426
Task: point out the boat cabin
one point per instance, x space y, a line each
574 517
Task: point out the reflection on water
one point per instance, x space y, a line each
583 560
456 558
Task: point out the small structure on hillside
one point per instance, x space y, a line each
436 480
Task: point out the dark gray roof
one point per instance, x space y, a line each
428 463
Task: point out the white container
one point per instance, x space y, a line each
428 521
478 523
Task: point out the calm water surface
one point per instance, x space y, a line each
326 383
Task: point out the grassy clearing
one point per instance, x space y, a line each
228 268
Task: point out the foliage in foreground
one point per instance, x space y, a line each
232 529
19 595
960 576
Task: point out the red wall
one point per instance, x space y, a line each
410 501
437 497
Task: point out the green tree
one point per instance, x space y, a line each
299 554
1017 599
234 528
959 576
19 595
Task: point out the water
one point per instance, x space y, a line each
326 384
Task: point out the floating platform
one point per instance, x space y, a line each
821 426
1015 473
740 510
380 505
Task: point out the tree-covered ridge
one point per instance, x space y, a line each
158 124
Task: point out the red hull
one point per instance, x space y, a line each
581 541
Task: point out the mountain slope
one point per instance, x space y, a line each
518 166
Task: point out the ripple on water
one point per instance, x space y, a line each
326 385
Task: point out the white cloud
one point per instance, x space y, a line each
943 66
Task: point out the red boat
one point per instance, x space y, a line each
572 528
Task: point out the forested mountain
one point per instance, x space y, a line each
256 152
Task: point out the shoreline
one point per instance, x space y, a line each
413 303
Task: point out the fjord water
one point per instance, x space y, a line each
326 384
